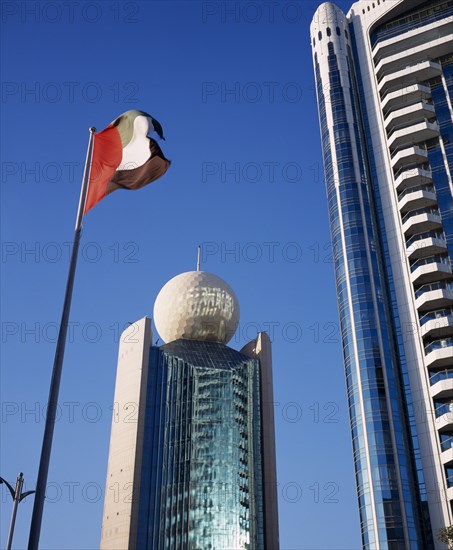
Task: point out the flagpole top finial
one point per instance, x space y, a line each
93 130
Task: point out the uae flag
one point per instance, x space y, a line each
124 157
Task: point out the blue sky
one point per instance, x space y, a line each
232 85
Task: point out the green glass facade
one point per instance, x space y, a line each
201 484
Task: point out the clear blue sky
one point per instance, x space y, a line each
234 92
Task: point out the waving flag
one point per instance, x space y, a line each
124 157
120 157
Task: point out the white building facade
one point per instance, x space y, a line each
384 76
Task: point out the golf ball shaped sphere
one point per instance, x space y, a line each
196 306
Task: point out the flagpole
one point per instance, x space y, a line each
38 507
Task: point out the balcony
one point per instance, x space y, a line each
414 198
431 269
435 48
412 177
444 408
411 114
426 244
444 417
412 74
434 296
411 155
408 38
405 96
420 221
440 376
443 389
446 443
437 324
417 133
439 354
447 457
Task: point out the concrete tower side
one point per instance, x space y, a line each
261 348
120 518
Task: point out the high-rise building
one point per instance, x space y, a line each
192 449
384 78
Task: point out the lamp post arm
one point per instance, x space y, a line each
11 490
25 495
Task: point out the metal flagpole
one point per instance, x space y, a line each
41 483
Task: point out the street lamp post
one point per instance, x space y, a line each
18 496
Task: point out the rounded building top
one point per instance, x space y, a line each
326 14
196 305
329 22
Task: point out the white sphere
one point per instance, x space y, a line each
196 306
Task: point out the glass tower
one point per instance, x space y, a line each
204 432
384 79
192 461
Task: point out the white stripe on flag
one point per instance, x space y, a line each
137 152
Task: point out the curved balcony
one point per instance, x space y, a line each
434 296
405 96
447 457
414 198
421 221
411 155
444 408
442 389
431 269
418 72
407 37
437 324
444 420
439 353
438 46
409 114
444 416
446 446
426 244
412 177
417 133
446 443
439 376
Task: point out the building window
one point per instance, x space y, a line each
319 35
328 31
338 31
346 33
313 42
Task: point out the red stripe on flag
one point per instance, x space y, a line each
107 156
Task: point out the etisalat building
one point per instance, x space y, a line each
192 456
